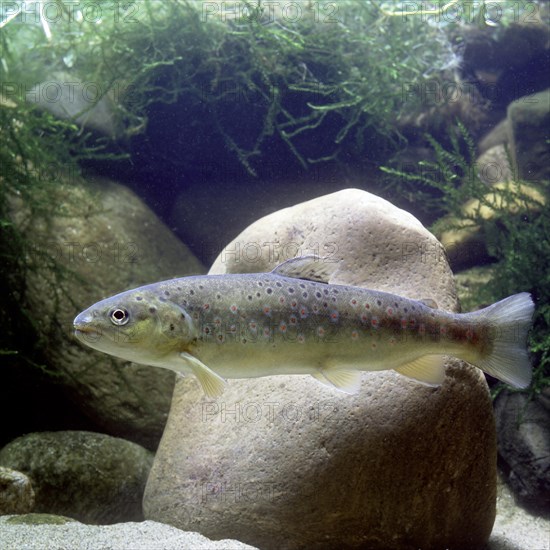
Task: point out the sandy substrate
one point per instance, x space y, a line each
514 529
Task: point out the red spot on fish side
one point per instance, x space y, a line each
283 327
234 308
303 312
334 316
301 338
267 310
353 302
293 319
389 311
374 322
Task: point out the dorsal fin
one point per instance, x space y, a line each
428 302
310 268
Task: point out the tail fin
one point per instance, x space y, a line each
509 322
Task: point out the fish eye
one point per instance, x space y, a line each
119 316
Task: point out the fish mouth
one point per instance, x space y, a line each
86 331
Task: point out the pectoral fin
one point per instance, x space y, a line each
346 380
212 384
427 369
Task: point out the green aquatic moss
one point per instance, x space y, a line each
36 156
333 72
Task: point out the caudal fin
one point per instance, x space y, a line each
509 322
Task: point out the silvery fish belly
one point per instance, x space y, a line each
293 321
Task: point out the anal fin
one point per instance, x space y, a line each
427 369
346 380
212 384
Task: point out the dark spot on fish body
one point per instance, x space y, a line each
139 298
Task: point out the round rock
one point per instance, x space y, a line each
285 462
16 494
91 477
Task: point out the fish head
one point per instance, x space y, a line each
136 325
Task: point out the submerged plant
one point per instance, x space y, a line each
322 80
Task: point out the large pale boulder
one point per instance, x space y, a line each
285 462
96 239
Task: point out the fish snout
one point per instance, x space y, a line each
85 329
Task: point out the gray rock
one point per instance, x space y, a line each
92 477
529 120
523 429
498 136
28 533
98 239
493 166
16 494
285 462
89 104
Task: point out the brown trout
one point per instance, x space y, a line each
294 321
